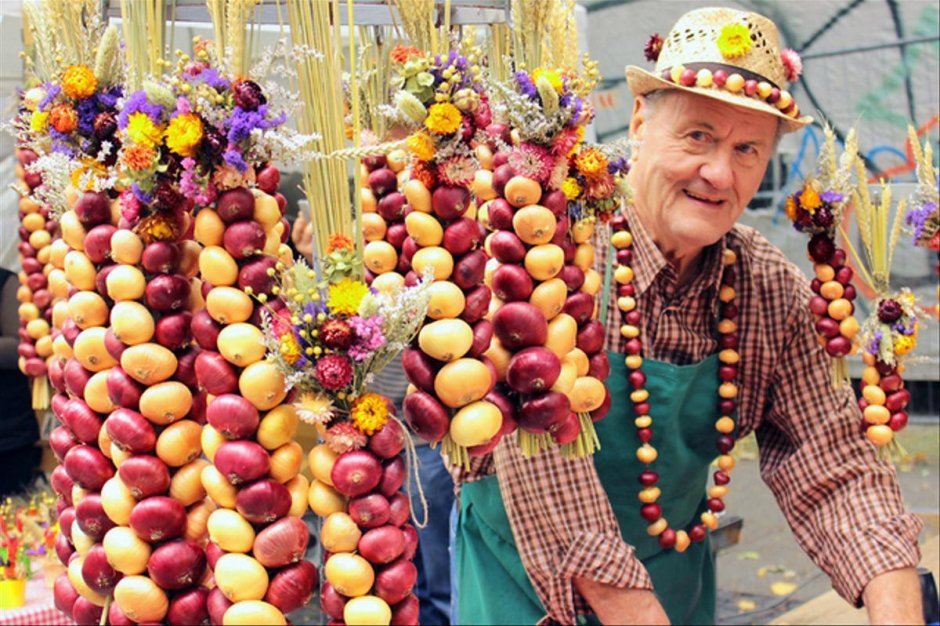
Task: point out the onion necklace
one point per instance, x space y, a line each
622 240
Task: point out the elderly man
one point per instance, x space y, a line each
709 339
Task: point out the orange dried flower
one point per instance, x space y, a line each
63 118
339 241
401 54
139 157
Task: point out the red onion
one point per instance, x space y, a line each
123 391
477 304
254 274
461 236
267 179
242 461
63 549
395 582
205 330
98 243
113 345
85 613
383 181
215 374
449 203
426 416
482 338
213 553
217 604
93 208
332 602
91 518
580 306
388 442
66 519
419 368
411 541
189 607
101 279
130 431
591 337
76 377
540 412
507 408
263 501
244 239
370 511
70 330
56 374
532 370
573 277
145 476
406 612
356 473
158 518
282 543
97 572
292 587
167 292
233 416
520 324
160 257
88 467
61 440
235 204
198 411
399 508
394 473
116 616
177 564
64 594
84 423
172 331
382 545
469 270
61 482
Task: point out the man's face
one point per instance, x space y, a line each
699 163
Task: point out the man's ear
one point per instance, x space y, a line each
638 118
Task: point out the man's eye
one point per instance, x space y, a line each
698 136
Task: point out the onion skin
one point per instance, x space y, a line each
123 391
61 440
85 613
215 374
88 467
160 257
205 330
81 420
91 517
395 582
158 519
356 473
370 511
400 509
242 461
177 565
332 602
189 607
217 604
394 473
282 543
382 545
233 416
292 587
406 612
97 572
64 594
130 431
145 476
388 442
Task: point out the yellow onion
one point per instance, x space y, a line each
140 599
148 363
350 574
298 486
446 340
197 521
476 423
96 395
230 531
126 247
286 462
367 610
228 305
340 533
186 483
179 443
462 381
211 440
323 499
262 384
132 323
125 282
240 577
117 500
87 309
253 613
446 300
90 351
217 266
320 460
82 542
218 487
166 402
80 271
241 344
277 427
126 552
209 228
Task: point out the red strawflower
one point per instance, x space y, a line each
654 45
334 372
336 334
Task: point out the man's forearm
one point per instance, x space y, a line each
894 598
614 605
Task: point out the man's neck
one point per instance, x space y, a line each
685 262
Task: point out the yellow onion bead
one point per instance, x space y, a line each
728 391
646 454
785 100
643 421
874 394
831 290
710 520
725 425
824 272
870 375
875 414
621 239
848 327
728 257
630 331
639 395
880 435
717 491
763 89
726 463
623 274
726 293
649 495
727 326
703 78
839 309
729 356
634 361
676 73
626 303
656 528
682 541
735 83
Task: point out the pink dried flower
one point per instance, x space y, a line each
792 64
532 161
343 437
457 171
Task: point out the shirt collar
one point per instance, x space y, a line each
649 264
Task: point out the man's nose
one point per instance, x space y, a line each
718 169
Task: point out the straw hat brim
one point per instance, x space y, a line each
642 82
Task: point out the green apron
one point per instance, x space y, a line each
494 587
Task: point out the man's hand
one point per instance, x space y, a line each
894 598
614 605
302 235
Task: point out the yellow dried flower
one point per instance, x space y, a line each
790 207
553 78
142 130
571 188
79 82
443 119
809 199
734 40
38 121
904 344
591 162
421 145
345 296
369 413
184 134
289 348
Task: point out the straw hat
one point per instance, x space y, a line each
730 55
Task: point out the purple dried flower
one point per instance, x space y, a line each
831 197
138 103
234 158
526 86
51 92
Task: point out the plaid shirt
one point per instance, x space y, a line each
842 503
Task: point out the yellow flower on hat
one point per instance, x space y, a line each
734 40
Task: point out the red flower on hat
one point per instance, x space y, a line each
654 45
792 64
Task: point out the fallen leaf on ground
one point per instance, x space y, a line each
746 605
782 588
749 556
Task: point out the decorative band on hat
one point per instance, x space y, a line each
734 80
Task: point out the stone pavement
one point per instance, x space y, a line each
766 573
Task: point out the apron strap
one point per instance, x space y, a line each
605 293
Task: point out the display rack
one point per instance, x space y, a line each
366 12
